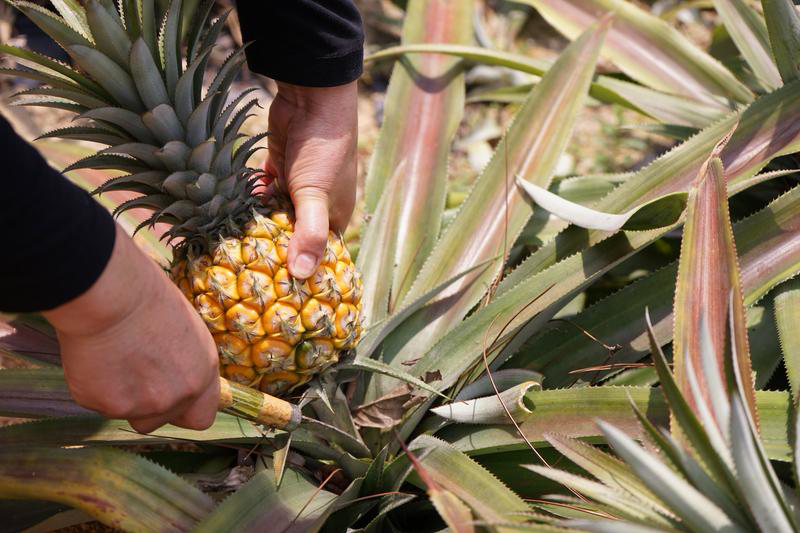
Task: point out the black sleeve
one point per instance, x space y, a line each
56 239
314 43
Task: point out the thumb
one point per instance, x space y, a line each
310 231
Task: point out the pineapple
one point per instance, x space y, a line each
137 92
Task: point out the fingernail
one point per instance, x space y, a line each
304 265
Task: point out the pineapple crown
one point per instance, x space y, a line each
139 90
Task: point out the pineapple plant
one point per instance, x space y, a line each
184 153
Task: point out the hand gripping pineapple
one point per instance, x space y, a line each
139 91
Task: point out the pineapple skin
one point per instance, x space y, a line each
273 332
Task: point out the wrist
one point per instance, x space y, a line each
330 99
119 292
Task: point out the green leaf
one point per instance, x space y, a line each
51 67
171 40
769 253
185 98
77 96
164 124
697 511
573 411
84 133
124 119
606 468
260 506
783 25
749 32
119 489
53 25
147 76
489 499
371 341
111 76
623 504
764 493
787 317
415 152
74 15
647 49
662 106
197 126
372 365
109 35
89 430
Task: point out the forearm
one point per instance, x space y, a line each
57 239
311 43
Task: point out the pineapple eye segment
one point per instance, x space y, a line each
256 290
244 321
241 374
229 254
317 317
260 254
222 283
212 312
269 353
282 319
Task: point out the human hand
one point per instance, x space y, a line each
312 153
133 347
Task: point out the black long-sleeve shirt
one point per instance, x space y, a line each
55 240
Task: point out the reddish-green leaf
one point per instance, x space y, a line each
121 490
708 278
647 49
424 105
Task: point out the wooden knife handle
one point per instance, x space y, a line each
258 407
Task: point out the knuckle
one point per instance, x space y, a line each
155 404
116 408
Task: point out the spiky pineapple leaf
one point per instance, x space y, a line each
606 468
572 411
530 148
663 106
764 492
488 498
36 392
171 45
622 504
749 32
113 78
259 506
787 317
694 508
110 37
52 24
431 86
709 260
783 26
85 133
119 489
74 14
51 66
647 49
769 248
